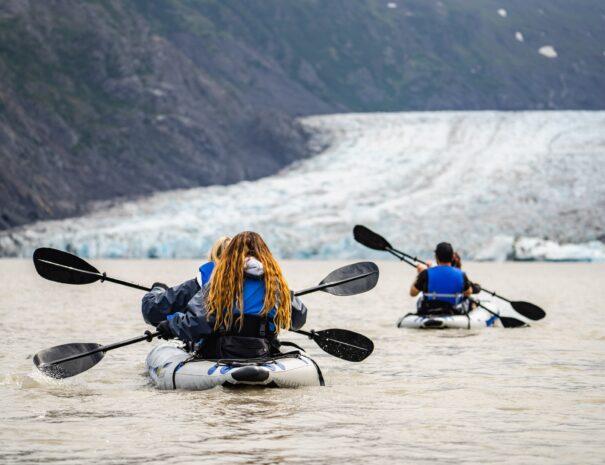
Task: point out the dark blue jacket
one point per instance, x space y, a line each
184 306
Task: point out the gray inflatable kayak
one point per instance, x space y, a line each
170 367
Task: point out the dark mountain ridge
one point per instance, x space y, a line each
108 99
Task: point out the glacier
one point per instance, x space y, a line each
497 185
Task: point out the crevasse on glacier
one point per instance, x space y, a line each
489 182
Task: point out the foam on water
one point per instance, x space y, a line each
494 184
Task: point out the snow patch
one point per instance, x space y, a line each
519 36
535 249
157 92
502 12
548 51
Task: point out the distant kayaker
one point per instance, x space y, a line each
239 311
444 287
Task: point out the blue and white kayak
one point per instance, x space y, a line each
475 319
170 367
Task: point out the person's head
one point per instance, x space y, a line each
226 293
444 253
219 246
456 260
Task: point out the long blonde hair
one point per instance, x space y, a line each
218 248
226 293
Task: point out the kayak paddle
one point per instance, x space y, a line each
369 238
72 359
341 343
63 267
348 280
68 360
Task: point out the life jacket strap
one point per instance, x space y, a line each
437 296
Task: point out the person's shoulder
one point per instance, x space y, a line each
204 273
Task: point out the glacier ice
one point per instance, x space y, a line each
498 185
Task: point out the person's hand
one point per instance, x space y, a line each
420 267
429 263
164 329
476 288
162 285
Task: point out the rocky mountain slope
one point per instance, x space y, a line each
107 99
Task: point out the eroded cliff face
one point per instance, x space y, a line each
95 105
107 99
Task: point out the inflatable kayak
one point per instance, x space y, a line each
475 319
170 367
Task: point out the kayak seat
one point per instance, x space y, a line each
250 374
433 324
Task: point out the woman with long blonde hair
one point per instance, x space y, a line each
245 305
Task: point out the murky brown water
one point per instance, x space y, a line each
532 395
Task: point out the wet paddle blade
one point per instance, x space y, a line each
528 310
509 322
63 267
344 344
45 358
370 239
358 286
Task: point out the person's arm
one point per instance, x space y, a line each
414 291
192 325
299 313
468 287
420 283
157 304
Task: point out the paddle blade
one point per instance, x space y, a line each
528 310
344 344
63 267
368 277
369 238
43 359
509 322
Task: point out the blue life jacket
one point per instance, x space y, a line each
205 273
254 298
445 283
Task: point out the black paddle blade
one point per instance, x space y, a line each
358 286
344 344
43 359
56 265
528 310
370 239
509 322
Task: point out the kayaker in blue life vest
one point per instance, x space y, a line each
163 301
240 303
444 287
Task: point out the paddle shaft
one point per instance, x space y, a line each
147 337
104 277
101 276
321 287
